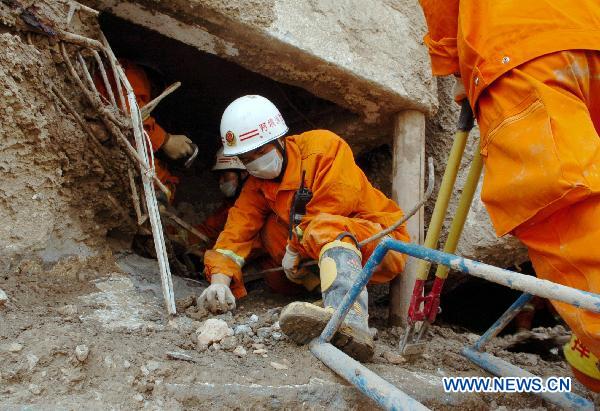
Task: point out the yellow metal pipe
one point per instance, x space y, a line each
447 186
464 205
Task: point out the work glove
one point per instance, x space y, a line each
177 146
290 263
217 298
459 90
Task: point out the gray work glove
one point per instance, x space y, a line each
217 298
290 263
177 146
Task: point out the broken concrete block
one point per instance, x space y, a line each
3 298
212 331
81 352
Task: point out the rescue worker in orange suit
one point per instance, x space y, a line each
232 175
343 208
174 146
531 72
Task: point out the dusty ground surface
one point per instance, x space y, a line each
116 312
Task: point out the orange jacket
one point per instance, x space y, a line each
483 39
140 83
339 188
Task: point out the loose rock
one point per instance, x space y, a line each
239 351
3 298
32 361
81 352
253 319
264 332
68 310
278 366
229 343
152 365
14 347
213 330
183 303
258 346
394 358
244 329
35 389
260 351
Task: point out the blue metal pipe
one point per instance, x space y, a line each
501 368
522 282
387 395
390 397
503 321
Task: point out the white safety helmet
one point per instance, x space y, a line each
227 163
248 123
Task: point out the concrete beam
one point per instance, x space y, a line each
408 184
368 58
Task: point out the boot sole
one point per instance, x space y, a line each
302 322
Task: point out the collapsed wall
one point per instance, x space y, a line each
57 197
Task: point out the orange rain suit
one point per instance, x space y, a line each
264 246
531 70
140 83
343 200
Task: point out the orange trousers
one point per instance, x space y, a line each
274 236
539 125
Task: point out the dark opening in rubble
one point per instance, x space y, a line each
209 84
475 304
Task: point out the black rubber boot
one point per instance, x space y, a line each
339 264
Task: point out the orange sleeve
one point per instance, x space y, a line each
140 83
442 21
244 221
157 134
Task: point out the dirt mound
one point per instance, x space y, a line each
56 198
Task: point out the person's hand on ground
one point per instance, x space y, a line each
218 298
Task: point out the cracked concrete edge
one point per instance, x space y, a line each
337 53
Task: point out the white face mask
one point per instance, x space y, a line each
228 188
267 167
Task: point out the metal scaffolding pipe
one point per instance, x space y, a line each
511 279
388 396
501 368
